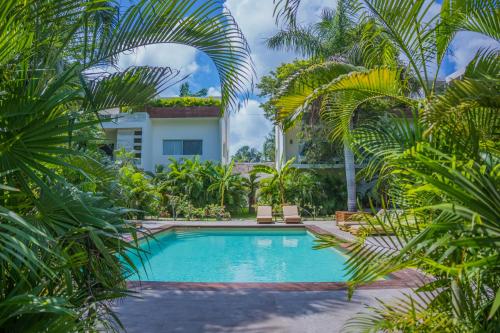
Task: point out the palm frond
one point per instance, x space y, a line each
208 26
285 11
346 93
299 40
133 87
476 16
298 91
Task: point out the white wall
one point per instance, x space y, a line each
224 140
205 129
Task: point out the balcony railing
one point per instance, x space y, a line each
123 119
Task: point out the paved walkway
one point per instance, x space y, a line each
243 310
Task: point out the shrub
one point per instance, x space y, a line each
185 101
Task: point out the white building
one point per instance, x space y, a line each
288 144
159 133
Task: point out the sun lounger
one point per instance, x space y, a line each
291 214
264 214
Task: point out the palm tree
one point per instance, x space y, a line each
222 179
277 177
326 38
442 168
61 246
333 40
252 185
187 177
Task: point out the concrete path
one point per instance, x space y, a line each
243 311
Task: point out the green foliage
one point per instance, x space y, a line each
330 36
137 191
185 102
440 170
273 186
61 227
316 147
248 155
315 193
193 184
185 91
252 185
269 148
269 85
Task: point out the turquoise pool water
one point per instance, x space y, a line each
239 255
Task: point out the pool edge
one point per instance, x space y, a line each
407 278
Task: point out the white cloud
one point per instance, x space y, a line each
179 57
465 46
248 127
170 55
212 91
255 18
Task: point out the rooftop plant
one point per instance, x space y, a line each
185 101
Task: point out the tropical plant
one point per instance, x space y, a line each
441 169
341 47
226 184
247 154
328 37
252 185
269 148
137 191
184 91
61 245
199 184
185 177
185 102
275 182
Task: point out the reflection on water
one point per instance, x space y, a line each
290 242
264 242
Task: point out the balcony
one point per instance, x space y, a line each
124 120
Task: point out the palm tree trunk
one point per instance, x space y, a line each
222 197
350 176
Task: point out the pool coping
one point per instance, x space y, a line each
407 278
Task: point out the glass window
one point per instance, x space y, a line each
193 147
182 147
172 147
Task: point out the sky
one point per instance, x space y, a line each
248 126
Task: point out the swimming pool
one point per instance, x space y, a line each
239 255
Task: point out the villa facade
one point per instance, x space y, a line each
159 133
291 143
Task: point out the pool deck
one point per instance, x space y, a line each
248 310
249 307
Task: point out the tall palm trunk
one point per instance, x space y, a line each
350 176
222 196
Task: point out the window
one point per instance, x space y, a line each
192 147
172 147
182 147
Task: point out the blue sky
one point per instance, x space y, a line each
248 126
